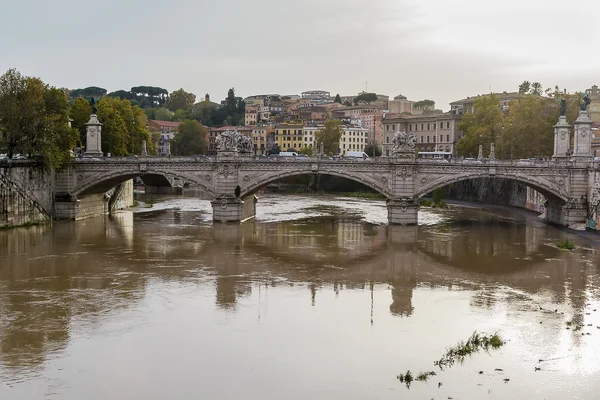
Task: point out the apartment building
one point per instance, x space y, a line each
354 138
434 132
289 136
400 105
167 130
263 138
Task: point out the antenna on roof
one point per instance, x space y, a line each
490 89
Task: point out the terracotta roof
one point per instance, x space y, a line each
170 124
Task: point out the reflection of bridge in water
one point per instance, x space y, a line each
45 272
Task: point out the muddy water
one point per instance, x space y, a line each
317 299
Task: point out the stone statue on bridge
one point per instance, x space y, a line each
404 142
233 141
586 102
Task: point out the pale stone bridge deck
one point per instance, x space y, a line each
564 183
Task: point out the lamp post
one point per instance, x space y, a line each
512 137
132 131
502 142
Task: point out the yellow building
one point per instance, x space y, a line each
262 138
289 136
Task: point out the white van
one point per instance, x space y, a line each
288 154
356 154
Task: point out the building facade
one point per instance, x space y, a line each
263 138
594 106
167 130
435 132
400 105
289 136
354 138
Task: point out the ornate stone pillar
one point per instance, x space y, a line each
93 141
582 147
562 139
480 155
144 149
403 211
492 152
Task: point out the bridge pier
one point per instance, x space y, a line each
93 205
402 211
233 209
573 214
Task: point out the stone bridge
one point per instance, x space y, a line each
235 176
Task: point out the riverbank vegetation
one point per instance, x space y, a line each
566 245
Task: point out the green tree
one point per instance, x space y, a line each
57 137
373 150
124 127
180 99
190 139
424 105
524 87
274 150
80 114
482 127
338 99
530 128
150 96
306 150
536 89
94 92
330 136
34 120
366 98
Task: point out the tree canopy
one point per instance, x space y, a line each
179 100
480 127
124 127
330 136
337 99
424 105
34 120
80 114
366 98
92 91
190 139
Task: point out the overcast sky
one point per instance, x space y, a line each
436 49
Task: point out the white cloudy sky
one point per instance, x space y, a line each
437 49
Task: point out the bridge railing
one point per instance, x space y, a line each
325 159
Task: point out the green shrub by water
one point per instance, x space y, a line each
565 245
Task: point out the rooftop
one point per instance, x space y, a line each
169 124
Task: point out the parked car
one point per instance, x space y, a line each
472 161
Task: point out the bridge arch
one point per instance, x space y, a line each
543 186
104 181
261 181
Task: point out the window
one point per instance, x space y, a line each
447 138
421 139
448 125
427 126
394 128
387 128
422 126
427 138
433 139
434 125
387 139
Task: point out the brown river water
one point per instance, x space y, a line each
316 299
